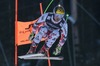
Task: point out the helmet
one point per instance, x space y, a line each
59 10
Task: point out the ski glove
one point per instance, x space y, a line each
57 50
31 36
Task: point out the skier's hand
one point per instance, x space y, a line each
31 36
57 50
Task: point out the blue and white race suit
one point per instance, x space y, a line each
50 29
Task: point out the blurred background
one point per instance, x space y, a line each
82 47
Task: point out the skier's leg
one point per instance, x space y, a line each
50 41
37 39
52 38
32 48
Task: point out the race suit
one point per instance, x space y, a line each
50 29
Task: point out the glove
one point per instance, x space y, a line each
57 51
31 36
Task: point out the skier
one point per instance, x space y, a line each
50 25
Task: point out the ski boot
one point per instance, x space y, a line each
32 49
44 50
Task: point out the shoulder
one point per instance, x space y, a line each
49 13
44 14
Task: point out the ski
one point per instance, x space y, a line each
44 57
30 55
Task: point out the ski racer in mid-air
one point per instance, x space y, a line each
50 25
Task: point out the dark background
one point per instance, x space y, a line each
88 52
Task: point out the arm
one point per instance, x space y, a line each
64 32
36 26
40 22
